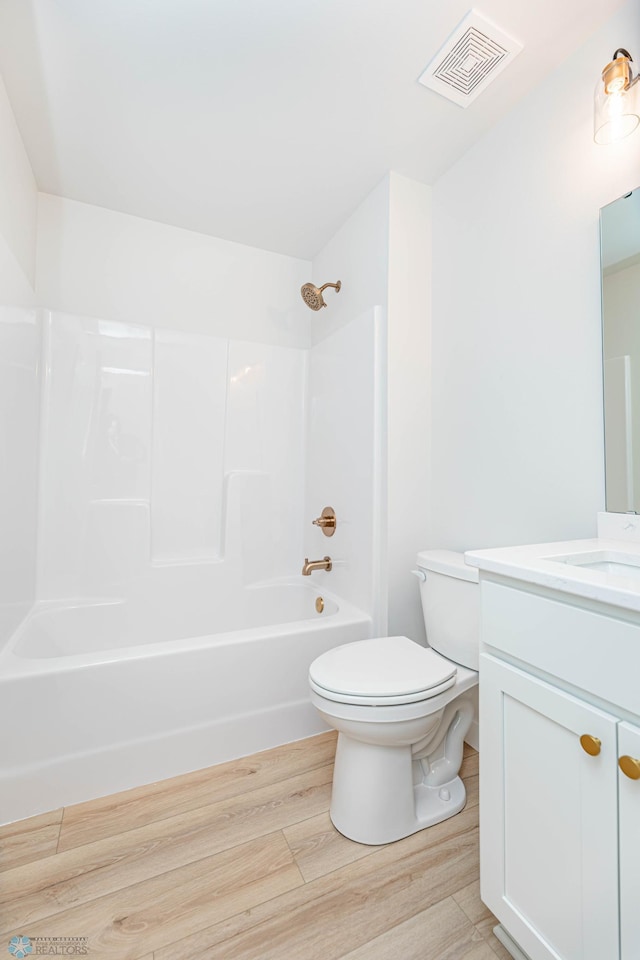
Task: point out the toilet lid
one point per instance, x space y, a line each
383 670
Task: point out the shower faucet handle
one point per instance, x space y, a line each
326 521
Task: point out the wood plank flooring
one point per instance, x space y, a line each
241 862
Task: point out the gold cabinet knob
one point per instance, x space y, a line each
630 767
590 745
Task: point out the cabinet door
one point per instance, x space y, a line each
548 817
629 793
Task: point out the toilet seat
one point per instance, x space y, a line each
382 671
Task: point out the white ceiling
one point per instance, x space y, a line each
260 121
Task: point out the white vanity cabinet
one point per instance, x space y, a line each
629 807
559 820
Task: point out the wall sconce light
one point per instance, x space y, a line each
617 103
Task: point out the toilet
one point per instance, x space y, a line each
402 711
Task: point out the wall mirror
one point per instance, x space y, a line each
620 265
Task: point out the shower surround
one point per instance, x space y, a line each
154 620
163 448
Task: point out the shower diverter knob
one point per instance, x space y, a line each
326 521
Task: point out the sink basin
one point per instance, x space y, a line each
598 569
606 561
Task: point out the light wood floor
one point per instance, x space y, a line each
241 862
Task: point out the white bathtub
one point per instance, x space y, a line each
99 697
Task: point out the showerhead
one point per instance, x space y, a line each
312 295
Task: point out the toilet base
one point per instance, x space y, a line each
432 805
435 804
375 799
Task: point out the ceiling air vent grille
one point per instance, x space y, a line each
472 57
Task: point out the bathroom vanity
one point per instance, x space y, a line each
560 746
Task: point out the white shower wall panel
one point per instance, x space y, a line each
189 398
265 451
345 458
19 418
169 461
95 460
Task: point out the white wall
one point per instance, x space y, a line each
15 289
100 263
409 391
382 256
517 447
174 399
18 205
19 432
19 364
358 256
346 446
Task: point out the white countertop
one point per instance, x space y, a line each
534 564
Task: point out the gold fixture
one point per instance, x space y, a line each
319 604
312 295
310 565
616 76
617 100
326 521
590 745
630 767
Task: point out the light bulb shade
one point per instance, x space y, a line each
616 109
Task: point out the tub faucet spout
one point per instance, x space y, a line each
310 565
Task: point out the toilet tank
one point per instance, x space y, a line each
450 594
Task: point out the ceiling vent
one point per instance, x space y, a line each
473 56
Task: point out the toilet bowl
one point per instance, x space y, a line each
402 711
